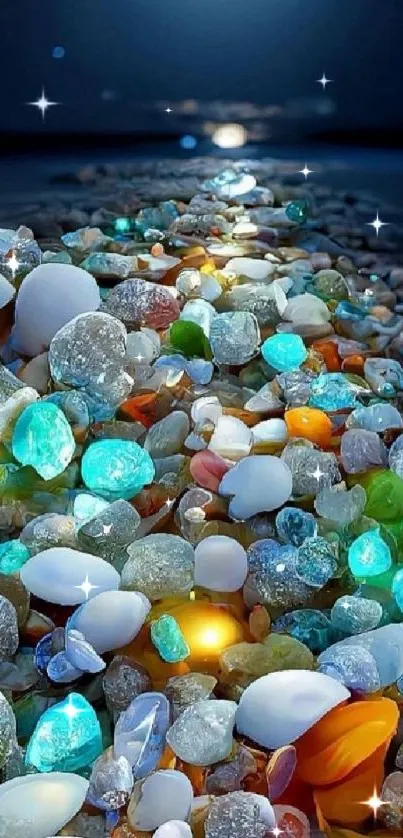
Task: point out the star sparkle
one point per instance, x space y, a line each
276 832
86 587
43 103
374 803
168 110
324 81
13 264
377 224
306 171
318 473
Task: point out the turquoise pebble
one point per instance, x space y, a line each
332 391
397 588
297 211
13 554
316 562
116 468
66 738
43 439
169 640
87 506
294 525
284 351
309 626
369 555
353 614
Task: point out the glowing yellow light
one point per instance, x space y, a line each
374 803
210 637
231 135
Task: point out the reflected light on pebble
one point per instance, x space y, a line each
230 136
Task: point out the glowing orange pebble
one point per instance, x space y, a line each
309 423
208 629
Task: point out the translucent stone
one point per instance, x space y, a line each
332 391
40 804
229 183
312 470
340 505
8 629
169 640
143 346
49 530
273 576
173 829
87 506
111 782
140 732
376 417
81 654
137 302
43 439
316 562
116 468
86 239
7 730
202 734
67 577
297 211
220 564
270 484
231 438
123 681
384 375
279 708
200 312
284 352
309 626
66 738
361 450
110 264
111 619
264 401
397 588
189 339
353 614
49 297
76 407
271 431
167 436
294 525
234 337
369 555
185 690
374 659
109 532
89 352
331 284
245 662
353 666
165 795
306 309
391 811
238 814
256 269
158 566
13 554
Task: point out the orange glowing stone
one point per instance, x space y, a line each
309 423
208 629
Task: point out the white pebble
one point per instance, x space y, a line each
220 564
50 296
207 408
231 439
257 269
173 829
257 484
68 577
280 707
46 802
111 619
271 430
307 309
165 795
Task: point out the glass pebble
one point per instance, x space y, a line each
376 417
159 565
234 337
111 782
43 439
316 562
184 690
332 391
369 555
272 574
140 732
13 554
353 614
66 738
202 734
168 639
116 468
284 352
294 525
340 505
238 814
361 450
397 588
309 626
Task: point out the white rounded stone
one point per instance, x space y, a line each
7 291
270 430
165 795
220 564
45 802
173 829
307 309
280 707
257 484
68 577
50 296
111 619
231 439
206 409
257 269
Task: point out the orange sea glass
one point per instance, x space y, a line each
309 423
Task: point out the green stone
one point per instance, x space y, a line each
297 211
169 640
384 495
189 339
13 554
43 439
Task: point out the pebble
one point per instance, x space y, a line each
41 803
67 737
284 352
173 829
43 439
238 814
202 735
270 482
140 732
220 564
369 555
67 577
116 468
111 619
165 795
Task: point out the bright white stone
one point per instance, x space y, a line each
46 802
111 619
231 439
307 309
220 564
50 296
207 408
258 484
165 795
158 263
280 707
257 269
68 577
173 829
271 430
264 400
7 291
200 312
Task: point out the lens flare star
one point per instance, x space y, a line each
13 264
43 103
86 587
305 171
276 832
377 224
374 803
168 110
324 81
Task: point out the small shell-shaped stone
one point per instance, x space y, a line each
111 619
68 577
39 805
280 707
163 796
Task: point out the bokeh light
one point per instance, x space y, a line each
188 142
231 135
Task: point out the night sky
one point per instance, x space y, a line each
122 52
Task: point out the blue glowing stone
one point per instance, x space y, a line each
309 626
169 640
43 439
122 225
332 391
188 142
13 554
294 525
66 738
397 588
297 211
316 562
369 555
58 52
116 468
284 352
